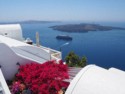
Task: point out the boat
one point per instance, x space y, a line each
63 37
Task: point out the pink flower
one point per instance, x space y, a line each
43 78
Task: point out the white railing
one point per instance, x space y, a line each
55 55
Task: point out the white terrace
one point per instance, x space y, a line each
14 51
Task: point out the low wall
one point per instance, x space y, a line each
8 61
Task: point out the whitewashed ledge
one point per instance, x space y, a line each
3 85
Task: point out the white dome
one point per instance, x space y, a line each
96 80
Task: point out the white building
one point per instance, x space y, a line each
14 51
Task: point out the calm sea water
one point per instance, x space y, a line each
103 48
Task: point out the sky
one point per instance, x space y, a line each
63 10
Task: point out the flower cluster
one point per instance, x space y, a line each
47 78
17 87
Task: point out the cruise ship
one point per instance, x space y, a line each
63 37
91 79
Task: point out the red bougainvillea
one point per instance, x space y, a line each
44 78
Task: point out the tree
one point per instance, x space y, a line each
74 60
83 61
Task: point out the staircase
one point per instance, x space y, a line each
72 71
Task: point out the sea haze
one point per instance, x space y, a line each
103 48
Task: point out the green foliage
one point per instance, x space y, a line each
74 60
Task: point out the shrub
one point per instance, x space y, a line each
73 60
47 78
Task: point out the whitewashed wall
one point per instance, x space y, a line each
8 61
96 80
3 84
11 30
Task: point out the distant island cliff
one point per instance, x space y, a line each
84 27
29 22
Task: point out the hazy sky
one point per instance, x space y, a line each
63 10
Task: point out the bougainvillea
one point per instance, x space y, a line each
47 78
17 87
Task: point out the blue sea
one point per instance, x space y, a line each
103 48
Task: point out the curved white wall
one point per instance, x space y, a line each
96 80
11 30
